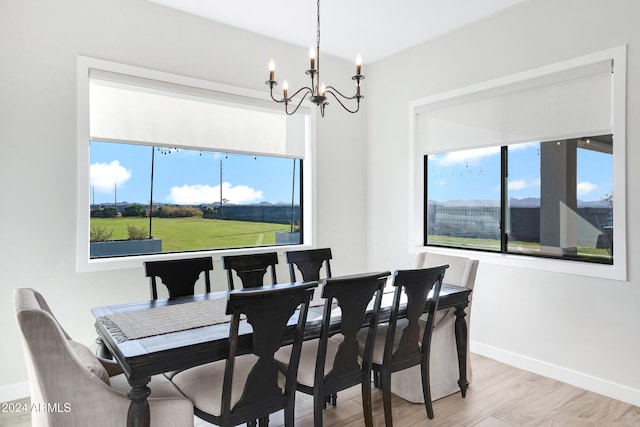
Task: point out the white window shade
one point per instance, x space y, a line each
559 105
157 113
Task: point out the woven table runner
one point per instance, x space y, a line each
137 324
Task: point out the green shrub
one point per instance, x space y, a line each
100 234
137 233
177 212
104 212
135 210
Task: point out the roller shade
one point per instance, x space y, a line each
132 109
566 104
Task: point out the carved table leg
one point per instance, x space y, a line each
461 345
139 414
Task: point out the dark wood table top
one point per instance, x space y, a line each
152 355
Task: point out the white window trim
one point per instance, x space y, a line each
617 271
83 262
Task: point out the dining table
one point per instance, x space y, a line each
165 335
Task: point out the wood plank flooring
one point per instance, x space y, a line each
500 396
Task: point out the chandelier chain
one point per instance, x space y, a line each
318 33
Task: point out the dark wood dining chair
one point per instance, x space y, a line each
331 363
249 387
397 348
309 262
250 268
178 275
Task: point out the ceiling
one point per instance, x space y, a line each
373 28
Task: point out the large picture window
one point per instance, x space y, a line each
148 199
551 199
170 164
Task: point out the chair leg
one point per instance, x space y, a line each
334 399
263 421
426 388
319 403
366 403
385 383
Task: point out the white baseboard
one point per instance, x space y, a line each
14 391
577 379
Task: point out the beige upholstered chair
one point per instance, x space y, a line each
65 375
444 357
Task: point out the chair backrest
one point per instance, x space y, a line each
461 272
59 369
353 294
268 310
414 285
250 268
309 262
179 275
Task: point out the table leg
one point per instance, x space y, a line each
461 345
139 414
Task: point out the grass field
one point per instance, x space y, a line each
195 233
514 246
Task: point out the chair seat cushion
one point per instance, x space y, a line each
379 342
308 356
89 360
203 384
161 387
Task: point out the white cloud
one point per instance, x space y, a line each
198 193
519 184
585 188
466 156
105 176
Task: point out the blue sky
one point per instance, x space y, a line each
475 174
123 171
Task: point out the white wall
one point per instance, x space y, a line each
39 43
575 328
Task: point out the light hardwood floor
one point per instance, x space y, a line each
499 396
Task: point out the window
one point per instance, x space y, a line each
171 164
566 118
551 199
148 199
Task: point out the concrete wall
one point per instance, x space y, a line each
579 329
39 43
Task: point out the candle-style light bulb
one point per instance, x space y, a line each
358 64
312 57
323 89
285 88
272 69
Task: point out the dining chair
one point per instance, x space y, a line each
250 268
445 368
249 387
309 263
395 348
332 363
89 390
178 275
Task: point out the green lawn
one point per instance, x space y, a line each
514 246
195 233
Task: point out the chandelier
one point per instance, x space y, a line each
318 93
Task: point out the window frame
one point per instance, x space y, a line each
417 177
251 97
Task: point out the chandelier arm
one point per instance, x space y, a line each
286 110
356 96
340 102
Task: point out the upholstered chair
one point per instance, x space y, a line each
84 390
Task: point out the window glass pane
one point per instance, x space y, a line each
463 194
189 200
560 198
